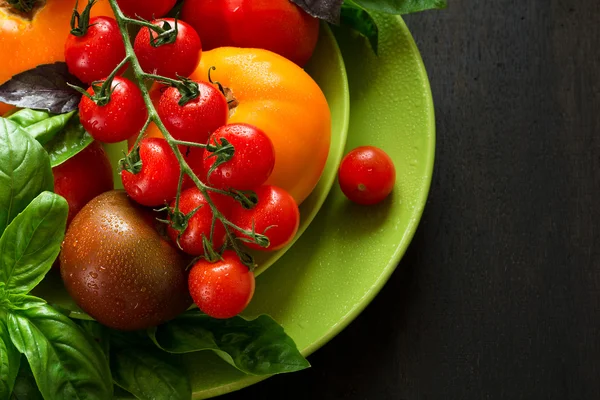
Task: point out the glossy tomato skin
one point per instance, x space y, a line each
222 289
198 118
293 113
119 269
83 177
276 25
276 210
123 116
170 60
156 184
200 224
367 175
96 54
147 9
252 163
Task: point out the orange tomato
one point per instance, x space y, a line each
277 96
25 44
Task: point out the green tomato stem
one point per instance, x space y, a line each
139 76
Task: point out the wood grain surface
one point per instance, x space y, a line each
499 294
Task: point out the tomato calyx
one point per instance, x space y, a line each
222 151
24 8
102 92
232 102
247 198
80 23
166 34
132 162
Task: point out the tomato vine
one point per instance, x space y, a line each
188 90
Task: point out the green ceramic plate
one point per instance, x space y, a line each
348 252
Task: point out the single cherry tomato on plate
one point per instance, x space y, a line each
367 175
170 59
147 9
83 177
252 162
156 182
276 25
222 289
196 222
95 54
198 118
276 216
122 116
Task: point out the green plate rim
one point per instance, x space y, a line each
389 269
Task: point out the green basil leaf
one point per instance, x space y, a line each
31 243
69 142
149 374
24 171
361 21
20 302
98 332
10 359
257 347
66 363
400 6
25 385
27 117
47 129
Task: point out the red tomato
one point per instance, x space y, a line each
198 118
199 225
156 183
123 116
147 9
367 175
252 162
170 60
276 25
276 216
222 289
83 177
96 54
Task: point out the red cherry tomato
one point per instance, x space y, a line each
199 225
156 183
96 54
83 177
276 25
198 118
178 58
222 289
276 216
252 162
147 9
367 175
123 116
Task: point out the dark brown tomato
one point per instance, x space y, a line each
118 268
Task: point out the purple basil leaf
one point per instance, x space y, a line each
328 10
43 88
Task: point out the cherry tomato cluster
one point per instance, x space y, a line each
226 204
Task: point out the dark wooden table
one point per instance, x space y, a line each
499 294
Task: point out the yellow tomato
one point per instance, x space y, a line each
277 96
